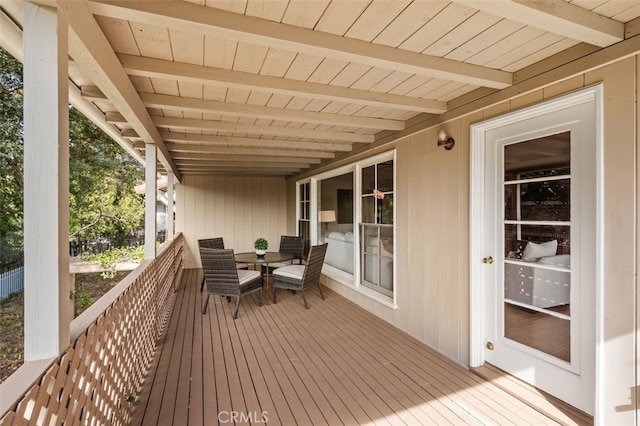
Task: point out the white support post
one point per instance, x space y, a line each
46 176
170 203
150 200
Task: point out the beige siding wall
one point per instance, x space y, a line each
620 239
237 209
432 200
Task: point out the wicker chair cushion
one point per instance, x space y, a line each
290 271
282 264
246 276
242 265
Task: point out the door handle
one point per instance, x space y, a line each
488 260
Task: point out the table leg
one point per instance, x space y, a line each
265 280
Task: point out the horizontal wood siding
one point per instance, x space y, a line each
239 209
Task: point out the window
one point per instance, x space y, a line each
335 220
376 227
304 214
352 210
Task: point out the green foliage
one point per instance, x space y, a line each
102 176
82 299
261 244
109 258
102 199
11 158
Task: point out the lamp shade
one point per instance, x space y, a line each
327 216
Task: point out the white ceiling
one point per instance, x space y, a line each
273 87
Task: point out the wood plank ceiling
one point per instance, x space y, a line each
273 87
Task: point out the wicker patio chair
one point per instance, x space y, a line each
301 277
216 243
222 277
292 245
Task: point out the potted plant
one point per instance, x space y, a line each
261 245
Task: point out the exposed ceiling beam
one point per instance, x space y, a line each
91 50
234 167
203 164
158 68
152 100
190 17
264 143
11 34
115 118
130 134
556 16
200 149
94 94
253 129
256 173
234 157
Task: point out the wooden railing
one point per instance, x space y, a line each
98 378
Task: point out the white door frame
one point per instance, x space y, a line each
477 302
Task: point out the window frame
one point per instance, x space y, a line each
354 280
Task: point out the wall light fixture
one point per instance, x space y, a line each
447 141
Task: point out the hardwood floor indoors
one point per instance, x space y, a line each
538 330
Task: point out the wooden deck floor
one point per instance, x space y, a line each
332 364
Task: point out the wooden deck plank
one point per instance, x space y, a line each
284 337
239 363
170 394
536 398
370 392
464 381
186 361
149 403
329 383
210 402
366 358
276 375
334 363
275 384
258 370
333 408
196 383
439 384
303 405
223 390
391 383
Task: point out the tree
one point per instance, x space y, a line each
11 158
103 203
102 199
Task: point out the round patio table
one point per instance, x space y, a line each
269 257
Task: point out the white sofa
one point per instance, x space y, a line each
340 255
538 286
340 251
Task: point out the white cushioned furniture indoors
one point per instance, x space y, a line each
340 251
536 284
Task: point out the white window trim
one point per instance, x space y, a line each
351 281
